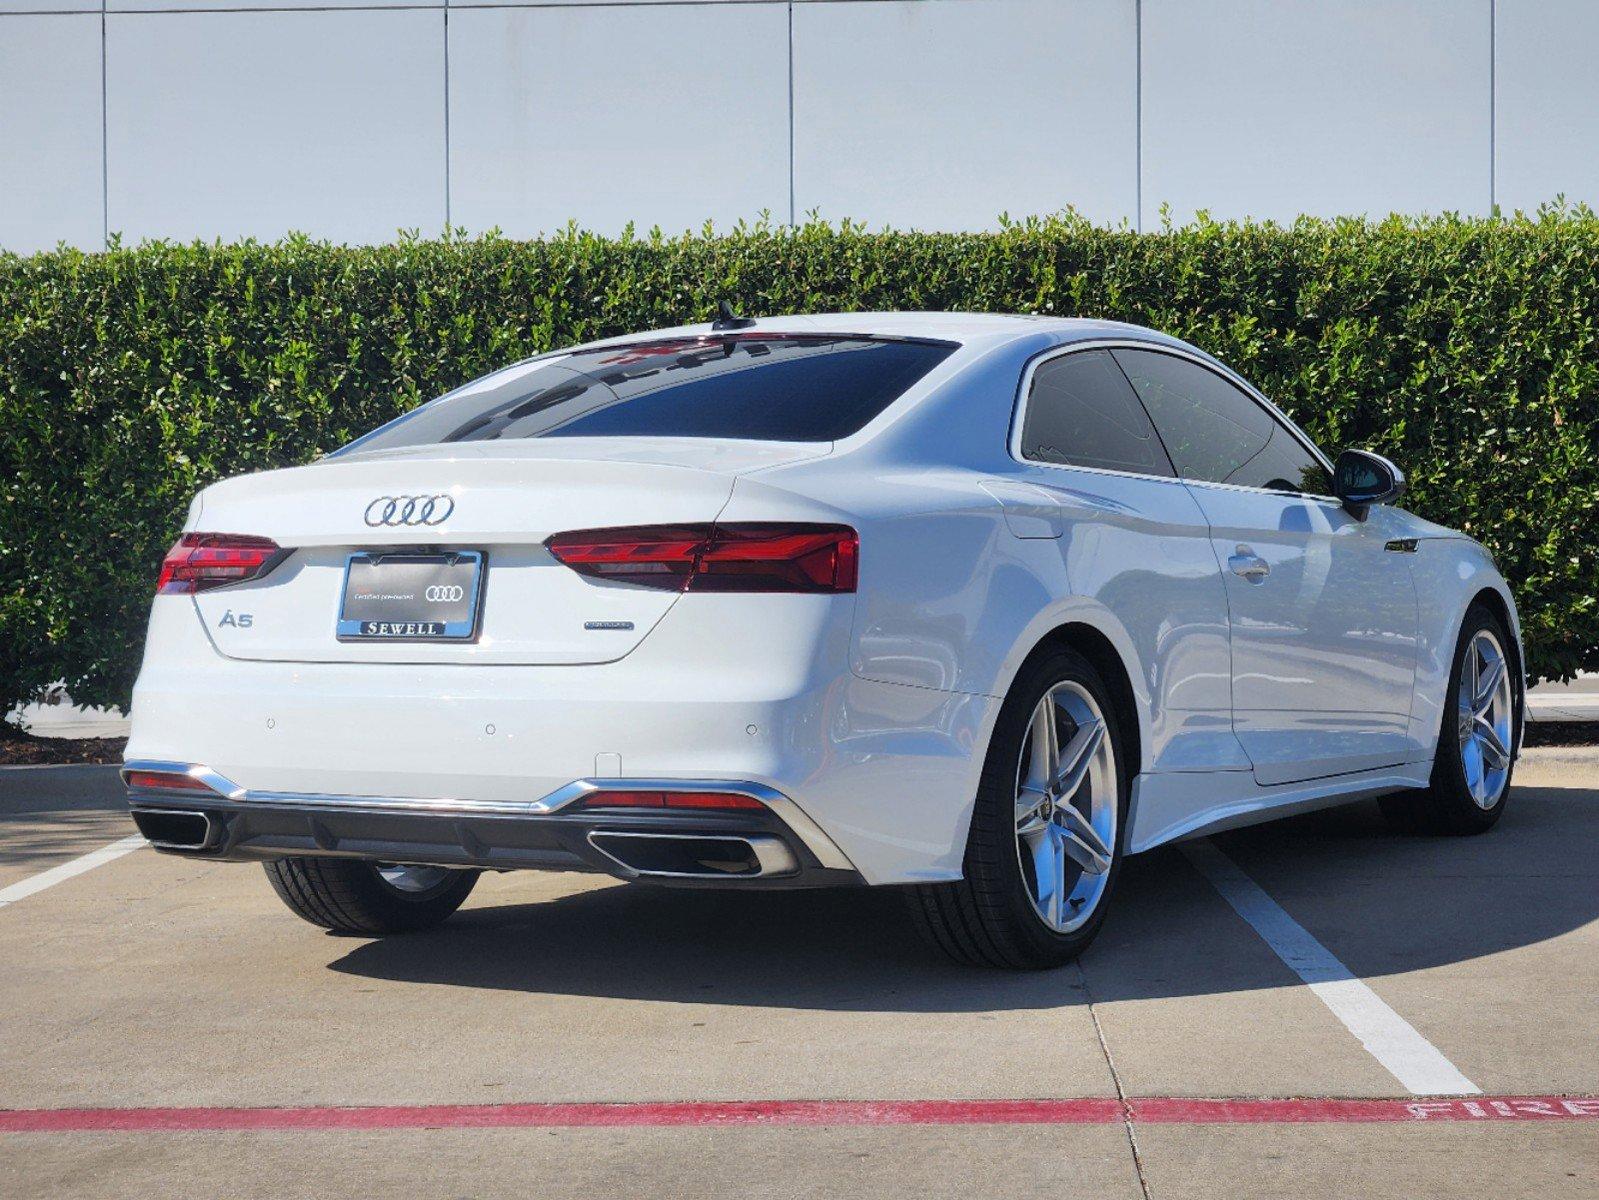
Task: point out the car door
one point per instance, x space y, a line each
1323 613
1095 478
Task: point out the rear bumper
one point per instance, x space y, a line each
889 771
775 846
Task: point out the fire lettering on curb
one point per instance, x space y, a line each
1502 1110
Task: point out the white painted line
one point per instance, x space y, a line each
67 870
1410 1058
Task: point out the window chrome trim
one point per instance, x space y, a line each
1024 398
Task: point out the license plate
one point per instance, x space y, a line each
411 597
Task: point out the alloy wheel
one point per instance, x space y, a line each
1066 807
1483 706
413 880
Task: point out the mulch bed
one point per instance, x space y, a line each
1562 733
23 749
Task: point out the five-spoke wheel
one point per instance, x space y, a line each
1485 718
1066 806
1047 830
1472 765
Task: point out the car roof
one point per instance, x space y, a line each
963 327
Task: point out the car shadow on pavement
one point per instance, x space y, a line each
1382 903
35 843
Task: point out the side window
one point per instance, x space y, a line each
1284 466
1210 428
1082 413
1214 431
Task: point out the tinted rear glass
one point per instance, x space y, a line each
1082 412
743 386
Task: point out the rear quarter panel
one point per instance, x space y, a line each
952 600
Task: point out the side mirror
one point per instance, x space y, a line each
1361 479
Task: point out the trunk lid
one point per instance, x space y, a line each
501 500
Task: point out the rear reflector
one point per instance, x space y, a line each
755 556
198 561
170 781
722 800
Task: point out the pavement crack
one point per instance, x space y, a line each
1116 1081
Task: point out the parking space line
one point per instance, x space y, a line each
1410 1058
1089 1110
67 870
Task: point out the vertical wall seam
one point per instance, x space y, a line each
105 140
793 216
1493 106
1137 114
448 218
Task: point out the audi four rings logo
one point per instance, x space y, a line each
409 510
445 593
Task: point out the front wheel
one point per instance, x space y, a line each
1476 745
1047 832
350 896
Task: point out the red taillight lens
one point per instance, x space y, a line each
754 556
658 556
722 800
198 561
165 780
779 558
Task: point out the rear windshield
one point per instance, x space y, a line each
790 388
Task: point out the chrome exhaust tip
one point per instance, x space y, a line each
695 855
178 828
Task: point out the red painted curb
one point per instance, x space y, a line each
1162 1110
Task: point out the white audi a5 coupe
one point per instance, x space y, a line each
974 605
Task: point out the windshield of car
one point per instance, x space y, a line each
766 387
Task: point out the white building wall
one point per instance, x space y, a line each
661 114
235 124
944 115
1271 108
51 155
1546 111
353 119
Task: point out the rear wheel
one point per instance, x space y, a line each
351 896
1475 757
1047 830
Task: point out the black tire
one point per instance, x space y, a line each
349 896
987 918
1445 807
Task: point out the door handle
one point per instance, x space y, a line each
1248 565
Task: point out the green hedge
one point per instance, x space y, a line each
1465 349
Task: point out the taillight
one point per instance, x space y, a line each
722 800
198 561
172 781
754 556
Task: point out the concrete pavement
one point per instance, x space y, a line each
154 981
1575 700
